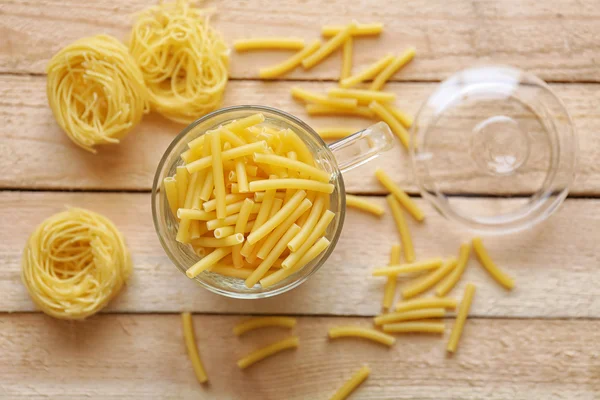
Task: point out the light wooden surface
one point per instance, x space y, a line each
540 341
143 356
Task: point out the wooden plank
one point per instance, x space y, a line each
557 42
555 265
31 139
143 356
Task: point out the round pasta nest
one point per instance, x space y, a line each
74 263
183 59
96 91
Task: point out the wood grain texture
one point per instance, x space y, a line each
556 41
143 356
555 276
47 159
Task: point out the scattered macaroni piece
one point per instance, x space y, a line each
347 59
351 385
192 348
402 226
430 280
391 68
390 285
400 195
315 98
267 351
428 302
329 47
365 205
368 72
486 261
414 327
450 281
263 322
461 317
320 109
289 64
334 133
394 124
366 333
363 96
393 270
412 315
359 30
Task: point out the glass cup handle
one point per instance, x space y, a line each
362 146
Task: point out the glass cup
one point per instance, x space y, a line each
336 158
494 132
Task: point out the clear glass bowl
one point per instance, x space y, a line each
340 156
494 132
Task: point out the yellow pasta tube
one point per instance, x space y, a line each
171 191
291 183
309 224
428 302
430 280
347 59
412 315
450 281
279 161
263 322
402 226
310 255
329 47
276 219
183 231
334 133
236 207
311 97
211 205
274 236
368 72
207 261
390 285
192 348
461 318
414 327
486 261
262 216
289 64
198 215
394 270
393 123
268 44
236 152
400 195
359 30
400 115
182 178
366 333
218 176
351 384
260 354
224 231
242 177
270 259
358 111
231 240
363 96
391 69
364 205
207 187
317 232
240 227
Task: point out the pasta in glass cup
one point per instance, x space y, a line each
339 157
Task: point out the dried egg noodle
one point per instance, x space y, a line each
96 91
74 263
183 59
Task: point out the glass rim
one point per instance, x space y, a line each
338 182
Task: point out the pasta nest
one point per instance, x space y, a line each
74 263
96 91
183 59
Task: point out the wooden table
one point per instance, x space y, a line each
540 341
